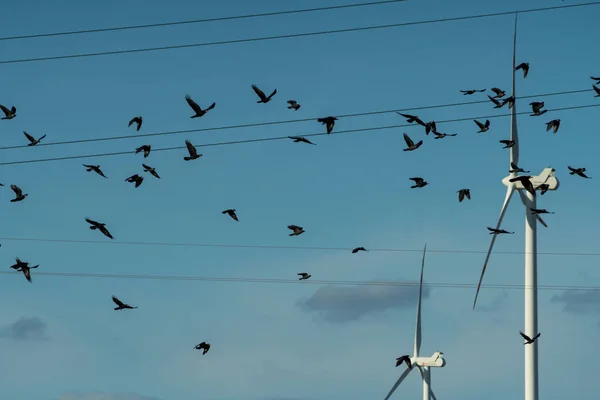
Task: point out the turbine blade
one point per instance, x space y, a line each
514 136
541 221
431 394
398 382
418 324
509 192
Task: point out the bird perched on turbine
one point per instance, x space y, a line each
554 125
100 226
524 67
193 153
137 121
329 123
95 168
301 139
419 182
263 98
121 305
529 340
199 112
483 127
411 145
8 114
293 105
231 213
462 193
19 196
32 141
146 148
205 347
304 276
296 230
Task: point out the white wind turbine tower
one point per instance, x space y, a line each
529 200
422 363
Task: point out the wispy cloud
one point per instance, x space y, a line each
104 396
578 302
25 328
344 304
496 304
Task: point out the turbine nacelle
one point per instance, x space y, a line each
545 177
436 360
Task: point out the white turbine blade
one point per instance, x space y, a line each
514 136
418 324
398 382
431 394
509 192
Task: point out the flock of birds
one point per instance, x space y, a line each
498 99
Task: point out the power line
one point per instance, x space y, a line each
290 121
200 21
294 35
118 153
304 282
272 247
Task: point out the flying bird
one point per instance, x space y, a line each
261 94
151 170
472 91
412 118
120 304
100 226
537 106
135 179
526 182
19 196
483 127
231 213
8 114
430 126
499 92
95 168
540 211
199 112
597 79
357 249
26 270
439 135
403 359
293 105
543 188
32 141
554 125
192 151
297 230
498 231
301 139
462 193
145 148
574 171
529 340
419 183
515 168
329 122
596 89
18 264
304 276
137 121
507 143
510 101
498 103
411 145
524 67
205 347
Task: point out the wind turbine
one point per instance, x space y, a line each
529 201
421 363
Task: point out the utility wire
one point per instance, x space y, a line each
304 282
118 153
272 247
200 21
293 35
290 121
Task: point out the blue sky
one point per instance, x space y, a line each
60 338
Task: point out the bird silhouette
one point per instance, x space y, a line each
472 91
499 92
597 79
329 123
151 170
536 211
19 196
537 106
515 168
575 171
32 141
205 347
554 125
100 226
301 139
192 151
137 121
8 114
529 340
596 89
510 101
507 143
121 305
483 127
419 182
199 112
498 231
135 179
293 105
524 67
304 276
430 126
146 148
412 118
411 145
462 193
296 230
403 359
498 103
439 135
261 94
231 213
526 182
543 188
95 168
26 270
357 249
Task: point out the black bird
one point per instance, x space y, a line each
357 249
439 135
498 103
499 92
596 89
411 145
26 270
18 264
329 122
507 143
574 171
293 105
537 106
95 168
412 118
137 121
524 67
120 304
483 127
526 182
8 114
100 226
261 94
498 231
32 141
199 112
471 91
510 101
135 179
151 170
540 211
192 151
231 213
298 139
529 340
595 79
205 347
554 125
145 148
19 196
515 168
297 230
462 193
403 359
304 276
419 183
543 188
430 126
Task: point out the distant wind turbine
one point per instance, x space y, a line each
421 363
